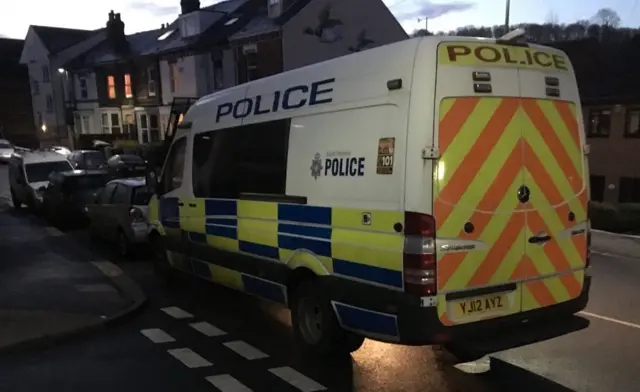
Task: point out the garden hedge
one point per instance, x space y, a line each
624 218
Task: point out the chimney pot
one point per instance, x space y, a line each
188 6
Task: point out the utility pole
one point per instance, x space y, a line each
506 17
426 24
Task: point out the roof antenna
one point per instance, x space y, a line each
512 36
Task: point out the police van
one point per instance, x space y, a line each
29 176
431 191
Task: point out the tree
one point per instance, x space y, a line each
607 17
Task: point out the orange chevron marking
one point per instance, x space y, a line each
447 266
539 120
464 174
540 293
454 119
524 270
570 121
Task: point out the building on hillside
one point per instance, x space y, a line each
16 115
610 93
128 93
45 50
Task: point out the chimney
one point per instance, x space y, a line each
115 31
189 6
274 8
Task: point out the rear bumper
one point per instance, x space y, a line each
398 318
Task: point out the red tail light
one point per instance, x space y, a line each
419 260
136 215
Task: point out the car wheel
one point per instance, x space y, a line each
14 199
315 326
162 268
124 247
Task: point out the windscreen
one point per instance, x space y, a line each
5 145
37 172
84 183
94 159
141 196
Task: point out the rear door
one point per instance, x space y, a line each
555 173
480 221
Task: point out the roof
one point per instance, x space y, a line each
10 52
132 181
42 156
262 24
55 39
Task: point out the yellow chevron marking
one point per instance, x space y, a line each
550 111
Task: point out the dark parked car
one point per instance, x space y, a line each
126 165
87 160
68 193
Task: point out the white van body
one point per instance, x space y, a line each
466 153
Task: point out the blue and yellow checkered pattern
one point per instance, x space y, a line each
324 239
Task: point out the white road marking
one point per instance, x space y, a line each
246 350
227 383
610 319
189 358
298 380
207 329
157 335
176 312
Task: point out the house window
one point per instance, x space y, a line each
173 74
632 126
246 159
77 122
49 104
599 123
629 190
154 130
251 61
130 128
218 76
45 74
128 92
151 81
84 90
111 87
86 124
36 87
597 188
105 123
115 124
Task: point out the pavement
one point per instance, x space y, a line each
48 292
200 337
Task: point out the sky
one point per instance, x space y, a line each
139 15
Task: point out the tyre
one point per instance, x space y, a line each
163 270
14 199
315 326
124 246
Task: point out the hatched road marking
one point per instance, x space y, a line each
176 312
612 320
246 350
227 383
207 329
157 335
298 380
189 358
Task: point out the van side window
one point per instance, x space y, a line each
173 170
246 159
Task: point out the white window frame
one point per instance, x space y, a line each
151 82
107 128
83 87
173 77
128 94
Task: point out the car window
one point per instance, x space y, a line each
37 172
93 159
105 195
85 182
122 195
172 175
141 196
5 145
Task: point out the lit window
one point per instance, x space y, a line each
127 86
165 35
111 87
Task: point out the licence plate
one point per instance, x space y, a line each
478 306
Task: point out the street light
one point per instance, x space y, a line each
44 127
506 17
61 70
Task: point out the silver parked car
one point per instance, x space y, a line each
119 213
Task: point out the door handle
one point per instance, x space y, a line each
539 239
192 205
180 204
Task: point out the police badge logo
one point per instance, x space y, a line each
316 166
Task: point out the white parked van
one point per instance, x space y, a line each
29 176
431 191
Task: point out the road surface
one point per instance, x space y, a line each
200 337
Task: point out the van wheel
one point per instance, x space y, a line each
14 199
161 267
124 247
315 326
